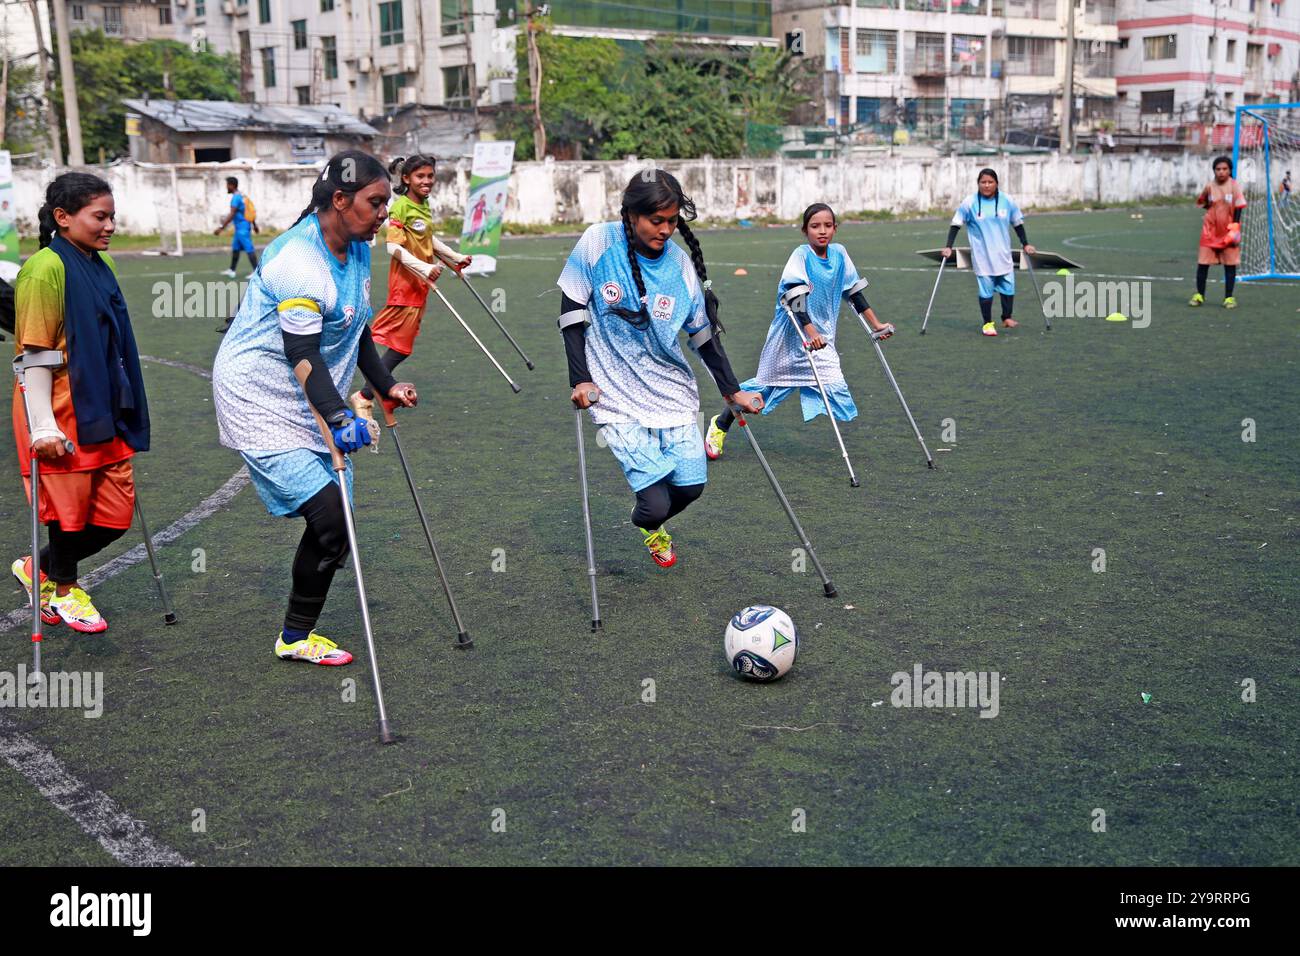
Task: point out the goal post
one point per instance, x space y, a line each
1265 157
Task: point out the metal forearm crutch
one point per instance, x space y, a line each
593 396
340 466
438 292
169 616
788 301
827 585
463 639
493 316
1029 264
942 262
889 374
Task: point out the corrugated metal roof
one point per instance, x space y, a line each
210 116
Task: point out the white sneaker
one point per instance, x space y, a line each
228 273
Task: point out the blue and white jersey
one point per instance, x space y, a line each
988 225
643 374
783 360
300 287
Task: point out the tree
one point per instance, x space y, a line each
109 70
679 109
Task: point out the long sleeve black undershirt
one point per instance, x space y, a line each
1020 231
320 389
575 350
952 235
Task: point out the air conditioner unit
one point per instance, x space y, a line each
228 8
501 90
407 95
182 3
408 57
365 64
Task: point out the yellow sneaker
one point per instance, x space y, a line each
1196 299
989 329
713 440
22 570
1229 303
314 648
660 545
78 612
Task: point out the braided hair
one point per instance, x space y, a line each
647 193
404 166
979 196
70 192
349 172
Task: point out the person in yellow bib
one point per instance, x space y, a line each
417 258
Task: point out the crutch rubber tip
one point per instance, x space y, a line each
830 589
923 331
929 464
515 388
854 483
464 641
596 625
170 618
386 735
530 365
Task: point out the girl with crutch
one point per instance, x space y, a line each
415 263
300 335
88 410
821 277
628 291
989 215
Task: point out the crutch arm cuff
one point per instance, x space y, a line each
39 382
700 337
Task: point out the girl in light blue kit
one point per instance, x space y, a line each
989 216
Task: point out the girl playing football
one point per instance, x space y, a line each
824 269
628 290
1220 244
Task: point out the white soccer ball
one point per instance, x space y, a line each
761 643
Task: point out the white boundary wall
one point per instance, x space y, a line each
582 192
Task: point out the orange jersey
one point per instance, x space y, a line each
38 291
410 225
1222 202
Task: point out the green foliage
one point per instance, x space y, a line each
665 100
109 70
24 125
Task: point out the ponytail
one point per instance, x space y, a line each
402 167
70 192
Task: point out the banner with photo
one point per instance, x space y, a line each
485 209
8 215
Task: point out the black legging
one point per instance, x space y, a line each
391 359
66 549
234 259
659 502
1229 279
322 551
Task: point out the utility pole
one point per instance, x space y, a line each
43 56
535 79
71 112
1067 100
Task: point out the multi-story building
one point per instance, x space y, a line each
130 19
973 69
366 56
1191 62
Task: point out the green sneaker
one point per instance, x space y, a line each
1229 303
660 545
1197 299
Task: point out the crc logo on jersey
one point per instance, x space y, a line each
663 307
419 226
611 293
349 313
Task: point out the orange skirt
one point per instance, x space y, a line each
103 497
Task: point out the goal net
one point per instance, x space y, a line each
1266 163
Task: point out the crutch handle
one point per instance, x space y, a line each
337 458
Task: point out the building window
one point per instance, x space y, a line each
263 11
455 86
268 66
390 23
78 12
1231 55
1163 47
326 6
241 3
457 17
968 6
330 48
1158 101
967 55
926 58
876 52
1030 56
113 21
299 34
393 82
200 9
304 95
868 110
164 16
